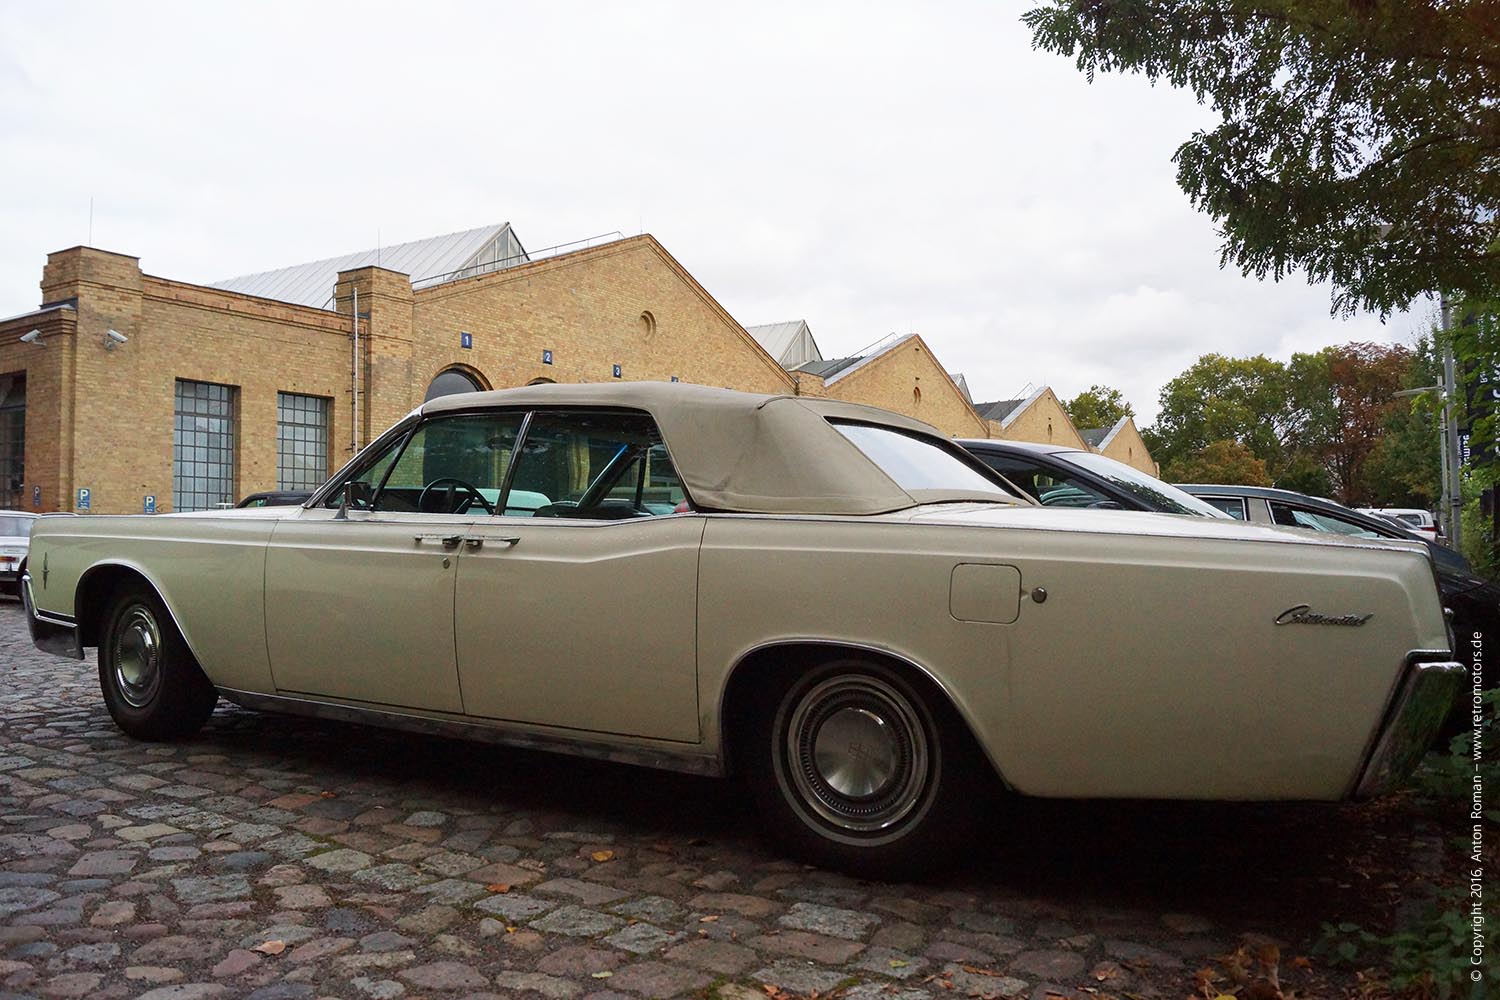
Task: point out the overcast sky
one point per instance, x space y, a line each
871 168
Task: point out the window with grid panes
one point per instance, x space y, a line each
13 440
301 441
203 446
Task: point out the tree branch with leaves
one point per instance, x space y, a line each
1359 140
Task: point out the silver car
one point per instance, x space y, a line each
833 604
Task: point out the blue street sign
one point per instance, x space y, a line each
466 340
546 357
675 379
36 496
617 371
150 504
83 498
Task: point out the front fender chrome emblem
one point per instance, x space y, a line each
1302 614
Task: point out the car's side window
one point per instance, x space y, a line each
599 465
1298 518
368 476
1051 488
450 465
1233 506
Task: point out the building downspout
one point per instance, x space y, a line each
354 369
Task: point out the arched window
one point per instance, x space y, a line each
542 381
450 382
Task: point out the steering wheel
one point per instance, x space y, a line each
469 488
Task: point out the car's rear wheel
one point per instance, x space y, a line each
857 767
152 686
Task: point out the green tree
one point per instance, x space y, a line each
1359 140
1098 406
1227 399
1313 422
1226 462
1475 341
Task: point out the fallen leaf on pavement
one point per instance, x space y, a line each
602 975
602 856
498 887
708 919
275 947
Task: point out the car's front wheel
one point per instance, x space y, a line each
152 686
857 768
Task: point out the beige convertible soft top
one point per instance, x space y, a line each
740 451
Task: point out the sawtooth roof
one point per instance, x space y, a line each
311 284
791 343
1094 436
998 410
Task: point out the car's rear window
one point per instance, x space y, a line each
16 527
917 464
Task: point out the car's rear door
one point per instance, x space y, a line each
577 606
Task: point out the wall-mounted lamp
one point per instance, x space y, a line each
33 337
113 337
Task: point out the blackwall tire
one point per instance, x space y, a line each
855 767
152 686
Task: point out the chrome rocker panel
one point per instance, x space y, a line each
619 751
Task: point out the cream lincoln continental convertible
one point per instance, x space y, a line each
834 604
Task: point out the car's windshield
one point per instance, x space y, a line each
1162 496
917 464
16 527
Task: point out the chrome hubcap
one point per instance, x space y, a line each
137 655
858 753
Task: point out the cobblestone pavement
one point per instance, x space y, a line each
281 858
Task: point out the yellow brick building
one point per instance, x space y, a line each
127 392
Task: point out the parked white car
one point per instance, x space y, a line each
15 541
835 604
1420 521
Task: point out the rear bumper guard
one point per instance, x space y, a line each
51 633
1423 699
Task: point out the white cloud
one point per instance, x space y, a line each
868 167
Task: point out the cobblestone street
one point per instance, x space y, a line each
278 858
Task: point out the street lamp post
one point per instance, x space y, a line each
1450 507
1452 458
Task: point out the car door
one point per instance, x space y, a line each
359 601
577 605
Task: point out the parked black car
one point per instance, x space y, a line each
1474 601
276 498
1059 476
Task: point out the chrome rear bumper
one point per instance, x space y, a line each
1423 699
50 633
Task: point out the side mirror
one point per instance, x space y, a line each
357 495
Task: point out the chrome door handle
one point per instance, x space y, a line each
478 543
449 541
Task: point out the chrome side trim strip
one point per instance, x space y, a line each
1421 702
50 633
592 746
